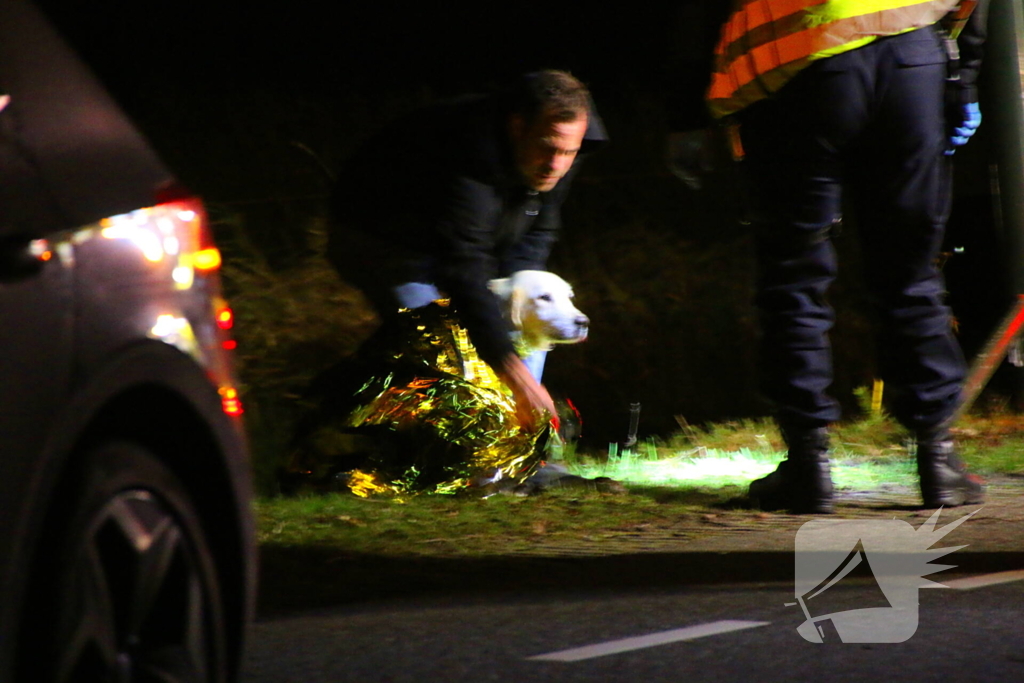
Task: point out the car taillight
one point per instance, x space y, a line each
175 232
198 247
206 259
231 404
225 318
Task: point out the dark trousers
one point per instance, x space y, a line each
870 122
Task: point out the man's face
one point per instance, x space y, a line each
545 149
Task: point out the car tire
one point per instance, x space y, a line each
135 595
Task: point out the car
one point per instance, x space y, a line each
127 538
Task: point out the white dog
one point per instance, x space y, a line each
539 306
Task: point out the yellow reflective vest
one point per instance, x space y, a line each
765 43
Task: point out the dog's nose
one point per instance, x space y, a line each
582 324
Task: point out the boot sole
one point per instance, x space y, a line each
804 508
953 499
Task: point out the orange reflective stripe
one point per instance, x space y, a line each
742 33
743 73
798 45
757 15
740 96
758 54
764 59
736 28
739 43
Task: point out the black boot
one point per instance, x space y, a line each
802 483
945 481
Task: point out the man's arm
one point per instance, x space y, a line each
467 233
971 43
963 115
689 154
466 253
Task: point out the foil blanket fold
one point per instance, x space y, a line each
441 419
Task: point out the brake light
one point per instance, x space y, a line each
175 231
197 254
225 318
197 241
231 404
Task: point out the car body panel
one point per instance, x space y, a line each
68 156
110 297
38 325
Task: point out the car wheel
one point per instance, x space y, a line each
136 596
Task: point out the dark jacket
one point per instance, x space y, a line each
440 186
971 43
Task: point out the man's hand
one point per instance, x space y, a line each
534 406
688 156
964 120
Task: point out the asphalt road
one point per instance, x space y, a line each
716 603
721 633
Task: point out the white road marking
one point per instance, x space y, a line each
983 580
612 647
639 642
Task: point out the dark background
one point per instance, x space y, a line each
251 103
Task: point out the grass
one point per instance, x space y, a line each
321 549
697 475
866 453
712 468
441 525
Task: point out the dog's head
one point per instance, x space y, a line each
539 306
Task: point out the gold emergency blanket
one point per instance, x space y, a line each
443 420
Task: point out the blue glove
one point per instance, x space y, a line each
967 119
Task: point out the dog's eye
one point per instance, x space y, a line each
545 297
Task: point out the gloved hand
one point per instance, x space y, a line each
687 156
964 120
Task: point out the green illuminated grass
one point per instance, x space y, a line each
712 468
701 467
866 454
680 479
321 548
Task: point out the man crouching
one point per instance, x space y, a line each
444 200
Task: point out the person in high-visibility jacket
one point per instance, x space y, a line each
860 94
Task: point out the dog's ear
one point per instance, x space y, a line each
499 287
516 304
